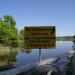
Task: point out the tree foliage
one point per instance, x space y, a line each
8 31
21 34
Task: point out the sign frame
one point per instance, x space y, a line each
40 37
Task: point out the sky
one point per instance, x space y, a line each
58 13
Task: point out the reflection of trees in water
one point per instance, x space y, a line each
8 59
73 46
23 49
27 51
74 39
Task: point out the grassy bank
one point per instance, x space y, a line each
4 49
7 49
7 56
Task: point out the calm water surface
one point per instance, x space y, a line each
24 57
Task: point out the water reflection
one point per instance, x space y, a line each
23 56
20 58
27 56
73 46
27 51
7 59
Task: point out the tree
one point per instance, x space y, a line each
8 32
9 20
1 24
21 34
74 38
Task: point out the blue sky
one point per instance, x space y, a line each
59 13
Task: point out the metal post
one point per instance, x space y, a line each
39 55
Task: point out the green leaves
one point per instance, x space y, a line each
8 32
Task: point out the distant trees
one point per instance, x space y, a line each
8 32
74 38
64 38
21 34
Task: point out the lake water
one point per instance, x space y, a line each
24 57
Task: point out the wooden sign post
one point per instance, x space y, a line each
42 37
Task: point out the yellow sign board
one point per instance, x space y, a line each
42 37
